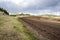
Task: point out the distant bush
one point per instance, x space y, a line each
13 15
22 14
5 11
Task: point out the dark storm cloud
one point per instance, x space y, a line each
52 4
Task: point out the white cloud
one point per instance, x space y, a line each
23 3
34 6
27 3
17 1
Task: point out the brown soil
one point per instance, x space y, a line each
48 29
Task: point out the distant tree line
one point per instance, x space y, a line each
22 14
5 11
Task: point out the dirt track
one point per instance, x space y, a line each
48 29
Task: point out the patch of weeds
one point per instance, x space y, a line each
26 33
17 27
29 34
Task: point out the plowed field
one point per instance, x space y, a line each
48 29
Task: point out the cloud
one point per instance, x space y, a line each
31 6
10 6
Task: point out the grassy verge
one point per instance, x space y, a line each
14 29
24 31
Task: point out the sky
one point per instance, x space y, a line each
36 7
